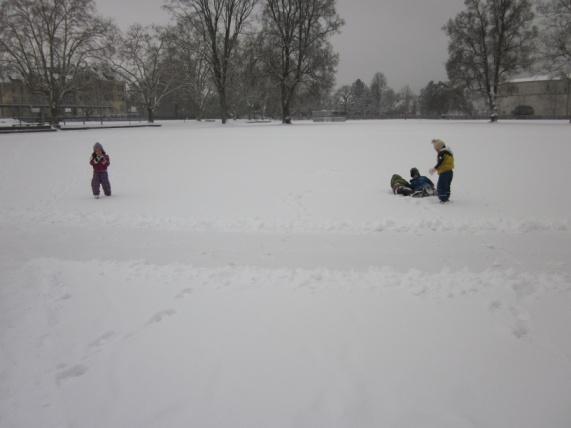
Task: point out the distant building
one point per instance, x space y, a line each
97 97
547 96
328 116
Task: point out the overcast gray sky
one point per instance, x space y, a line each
401 38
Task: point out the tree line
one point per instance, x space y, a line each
245 53
489 42
378 99
270 57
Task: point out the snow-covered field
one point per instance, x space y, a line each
265 276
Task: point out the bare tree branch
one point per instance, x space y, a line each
296 49
489 41
49 44
219 24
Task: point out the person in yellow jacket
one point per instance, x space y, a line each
445 169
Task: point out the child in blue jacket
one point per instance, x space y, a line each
422 186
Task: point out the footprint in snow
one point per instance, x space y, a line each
517 320
101 340
520 329
159 316
66 296
523 289
70 373
183 293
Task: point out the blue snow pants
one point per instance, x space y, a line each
443 186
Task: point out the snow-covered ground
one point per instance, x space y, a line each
260 275
6 121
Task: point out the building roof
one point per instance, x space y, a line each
536 78
542 78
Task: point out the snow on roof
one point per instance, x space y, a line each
537 78
531 79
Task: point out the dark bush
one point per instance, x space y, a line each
523 111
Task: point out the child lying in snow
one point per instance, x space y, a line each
422 186
419 186
400 186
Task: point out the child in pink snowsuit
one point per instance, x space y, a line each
100 161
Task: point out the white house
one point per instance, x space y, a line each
547 96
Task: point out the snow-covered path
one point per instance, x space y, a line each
264 276
536 252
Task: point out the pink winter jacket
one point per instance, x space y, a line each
101 164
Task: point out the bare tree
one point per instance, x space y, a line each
219 23
198 83
297 47
556 41
361 96
406 102
488 41
195 71
378 87
49 44
343 97
142 58
251 86
439 98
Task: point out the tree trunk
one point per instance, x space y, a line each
54 117
493 107
150 115
286 115
569 99
223 106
